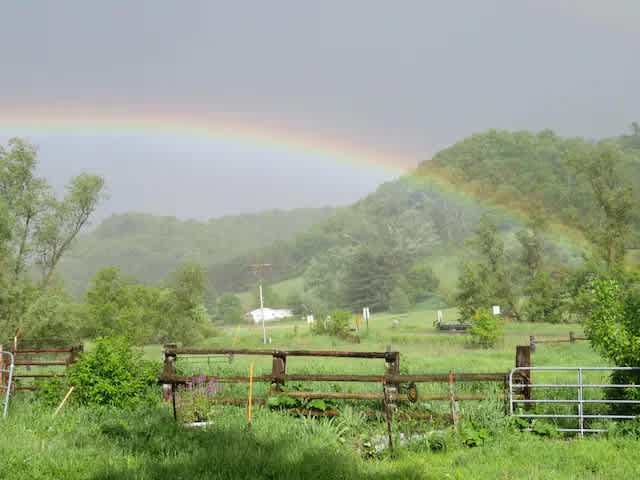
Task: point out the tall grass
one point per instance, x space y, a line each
109 444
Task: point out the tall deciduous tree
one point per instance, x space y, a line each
488 281
229 308
609 227
35 230
41 227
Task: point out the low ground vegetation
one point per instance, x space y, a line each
141 440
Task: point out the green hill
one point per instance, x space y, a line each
423 218
148 246
429 215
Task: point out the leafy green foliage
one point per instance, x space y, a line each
609 224
114 374
399 301
487 328
488 281
422 282
612 325
282 401
270 297
36 229
229 309
51 392
195 400
338 323
546 302
613 322
149 247
118 305
471 435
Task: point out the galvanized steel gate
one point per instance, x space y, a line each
5 386
580 401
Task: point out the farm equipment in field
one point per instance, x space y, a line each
454 327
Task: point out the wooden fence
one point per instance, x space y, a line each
572 339
279 375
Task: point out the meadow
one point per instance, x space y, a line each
147 443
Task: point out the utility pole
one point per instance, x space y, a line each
257 268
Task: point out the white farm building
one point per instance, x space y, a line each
270 314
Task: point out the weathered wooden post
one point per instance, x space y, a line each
572 337
392 362
278 370
532 343
523 359
168 390
75 351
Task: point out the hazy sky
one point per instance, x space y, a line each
409 77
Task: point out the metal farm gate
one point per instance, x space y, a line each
6 377
520 393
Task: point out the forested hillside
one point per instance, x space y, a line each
380 250
531 171
376 246
149 247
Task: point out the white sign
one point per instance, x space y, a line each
496 309
309 318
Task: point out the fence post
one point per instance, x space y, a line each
75 351
278 369
572 337
532 343
523 359
169 370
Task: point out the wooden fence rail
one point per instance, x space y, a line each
572 339
279 376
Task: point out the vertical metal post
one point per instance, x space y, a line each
580 404
7 393
532 343
264 330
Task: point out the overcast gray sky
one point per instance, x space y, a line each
407 76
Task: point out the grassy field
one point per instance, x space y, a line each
147 444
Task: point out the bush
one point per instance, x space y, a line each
487 328
51 392
612 326
337 324
113 373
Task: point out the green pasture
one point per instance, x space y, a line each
147 444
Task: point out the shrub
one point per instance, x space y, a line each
613 328
51 392
113 373
487 328
337 324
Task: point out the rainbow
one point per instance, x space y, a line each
76 120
